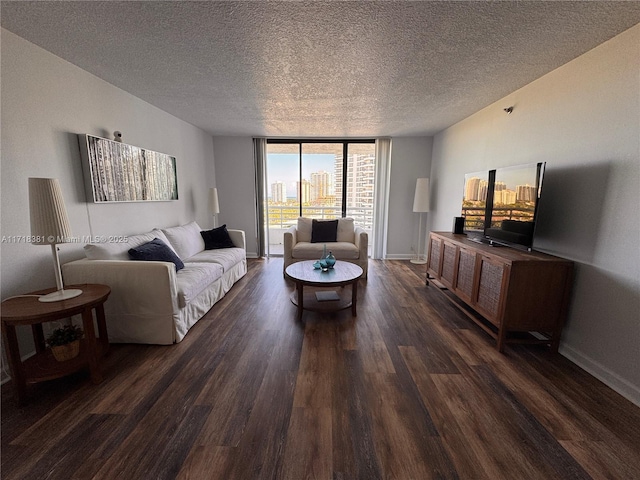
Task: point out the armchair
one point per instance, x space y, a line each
351 245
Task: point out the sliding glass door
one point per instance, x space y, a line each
317 179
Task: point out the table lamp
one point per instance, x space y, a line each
50 226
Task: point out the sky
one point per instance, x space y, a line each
511 176
284 166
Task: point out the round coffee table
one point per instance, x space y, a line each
343 273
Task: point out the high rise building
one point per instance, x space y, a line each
321 186
278 192
504 197
525 193
359 185
471 191
482 190
303 190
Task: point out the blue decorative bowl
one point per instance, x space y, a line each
330 260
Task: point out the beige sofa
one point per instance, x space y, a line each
351 245
151 301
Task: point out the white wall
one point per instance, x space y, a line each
235 172
46 102
410 160
583 119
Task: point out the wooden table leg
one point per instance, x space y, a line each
354 297
299 287
102 327
38 337
92 347
15 363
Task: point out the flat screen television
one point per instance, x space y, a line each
510 197
474 203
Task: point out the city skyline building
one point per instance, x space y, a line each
476 189
278 192
303 191
321 186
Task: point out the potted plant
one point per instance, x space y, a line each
65 342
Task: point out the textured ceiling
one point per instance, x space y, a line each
315 68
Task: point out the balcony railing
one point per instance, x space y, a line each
475 216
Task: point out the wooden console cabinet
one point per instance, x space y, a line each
520 296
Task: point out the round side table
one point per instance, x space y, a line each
27 310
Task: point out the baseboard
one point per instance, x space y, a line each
612 380
398 256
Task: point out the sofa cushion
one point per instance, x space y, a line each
194 278
313 251
185 239
155 251
226 257
120 250
217 238
303 230
323 231
346 230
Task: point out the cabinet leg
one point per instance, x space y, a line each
502 336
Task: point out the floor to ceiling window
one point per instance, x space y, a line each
318 179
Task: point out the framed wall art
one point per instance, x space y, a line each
117 172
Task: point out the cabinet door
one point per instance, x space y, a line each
449 263
466 274
433 261
492 283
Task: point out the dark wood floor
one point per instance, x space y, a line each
409 389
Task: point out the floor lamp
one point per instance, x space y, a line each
214 206
50 226
421 205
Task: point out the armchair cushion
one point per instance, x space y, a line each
304 229
313 251
324 231
346 230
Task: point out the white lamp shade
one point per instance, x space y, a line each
214 206
49 221
421 198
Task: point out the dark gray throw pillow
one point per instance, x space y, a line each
217 238
324 231
155 250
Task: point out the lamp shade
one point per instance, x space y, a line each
421 198
214 206
49 221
